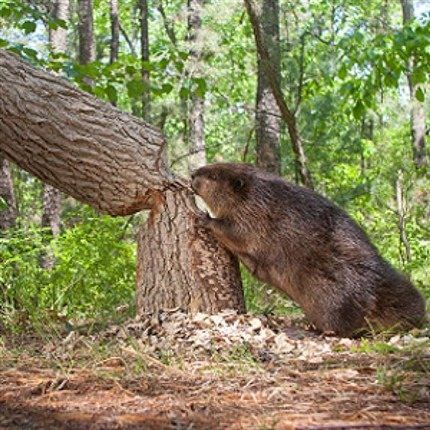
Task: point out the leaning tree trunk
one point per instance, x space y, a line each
268 116
116 163
114 25
7 206
418 120
196 126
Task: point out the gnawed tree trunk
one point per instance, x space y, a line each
8 211
116 163
418 121
268 117
287 114
196 126
189 257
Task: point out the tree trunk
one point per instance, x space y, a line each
196 127
418 122
287 115
8 211
87 46
71 140
51 196
144 53
117 163
268 117
168 263
114 24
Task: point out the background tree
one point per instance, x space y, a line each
8 212
268 117
418 119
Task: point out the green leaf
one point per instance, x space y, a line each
358 110
419 94
112 93
418 77
166 88
3 43
201 87
184 93
28 26
135 88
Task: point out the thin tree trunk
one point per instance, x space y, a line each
287 115
418 122
144 54
196 126
117 163
51 199
405 248
268 117
87 46
114 23
8 213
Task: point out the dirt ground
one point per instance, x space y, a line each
120 380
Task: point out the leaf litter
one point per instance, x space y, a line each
173 370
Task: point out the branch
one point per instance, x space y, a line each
168 27
127 39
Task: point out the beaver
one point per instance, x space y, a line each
303 244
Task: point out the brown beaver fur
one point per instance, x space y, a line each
298 241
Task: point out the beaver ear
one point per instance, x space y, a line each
238 184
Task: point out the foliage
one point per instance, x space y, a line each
93 274
344 66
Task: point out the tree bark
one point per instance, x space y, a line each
117 163
144 54
71 140
114 24
87 46
287 115
51 196
196 126
190 257
268 116
417 114
8 214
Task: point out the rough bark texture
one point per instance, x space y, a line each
81 145
268 116
418 121
196 126
114 24
287 115
144 53
116 163
187 269
7 214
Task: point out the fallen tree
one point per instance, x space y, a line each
116 163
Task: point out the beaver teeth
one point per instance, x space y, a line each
201 204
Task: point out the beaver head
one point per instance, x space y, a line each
222 186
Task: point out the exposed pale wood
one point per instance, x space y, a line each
81 145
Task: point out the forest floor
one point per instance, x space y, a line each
224 371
